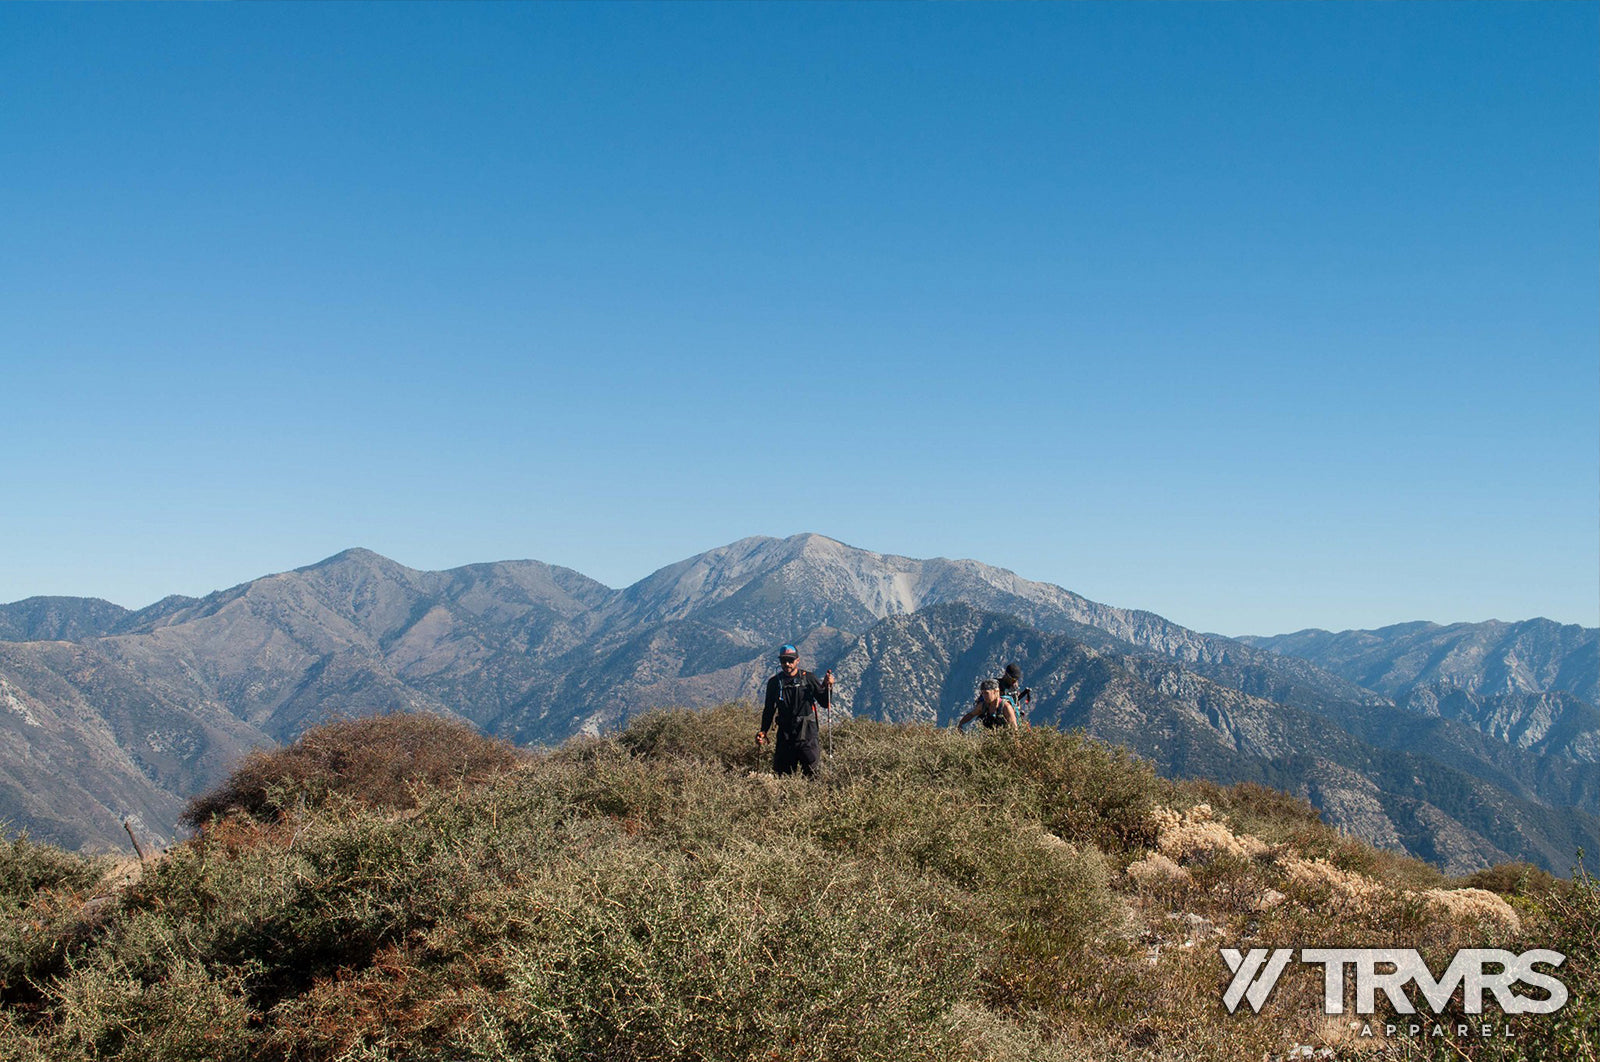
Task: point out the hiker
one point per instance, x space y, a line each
793 697
1016 697
990 708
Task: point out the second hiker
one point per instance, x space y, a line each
990 709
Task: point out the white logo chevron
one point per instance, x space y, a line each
1246 984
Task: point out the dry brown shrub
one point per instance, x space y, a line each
391 1001
380 761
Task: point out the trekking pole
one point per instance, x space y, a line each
834 712
833 719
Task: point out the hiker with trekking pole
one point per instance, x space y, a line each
793 698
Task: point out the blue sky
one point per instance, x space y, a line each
1258 316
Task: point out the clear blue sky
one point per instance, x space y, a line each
1260 316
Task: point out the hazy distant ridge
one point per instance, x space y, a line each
1487 659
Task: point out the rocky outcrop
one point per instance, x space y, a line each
1550 723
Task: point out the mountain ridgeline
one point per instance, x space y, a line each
108 714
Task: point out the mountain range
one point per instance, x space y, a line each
1468 745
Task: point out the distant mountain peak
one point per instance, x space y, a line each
355 556
59 618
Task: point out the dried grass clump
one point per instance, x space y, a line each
1196 835
1321 882
1155 872
980 1035
381 761
1474 906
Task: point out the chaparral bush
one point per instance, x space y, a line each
379 760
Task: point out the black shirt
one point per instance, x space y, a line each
794 701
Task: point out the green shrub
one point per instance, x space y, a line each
27 868
639 954
187 1015
42 915
1512 879
723 735
1566 920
